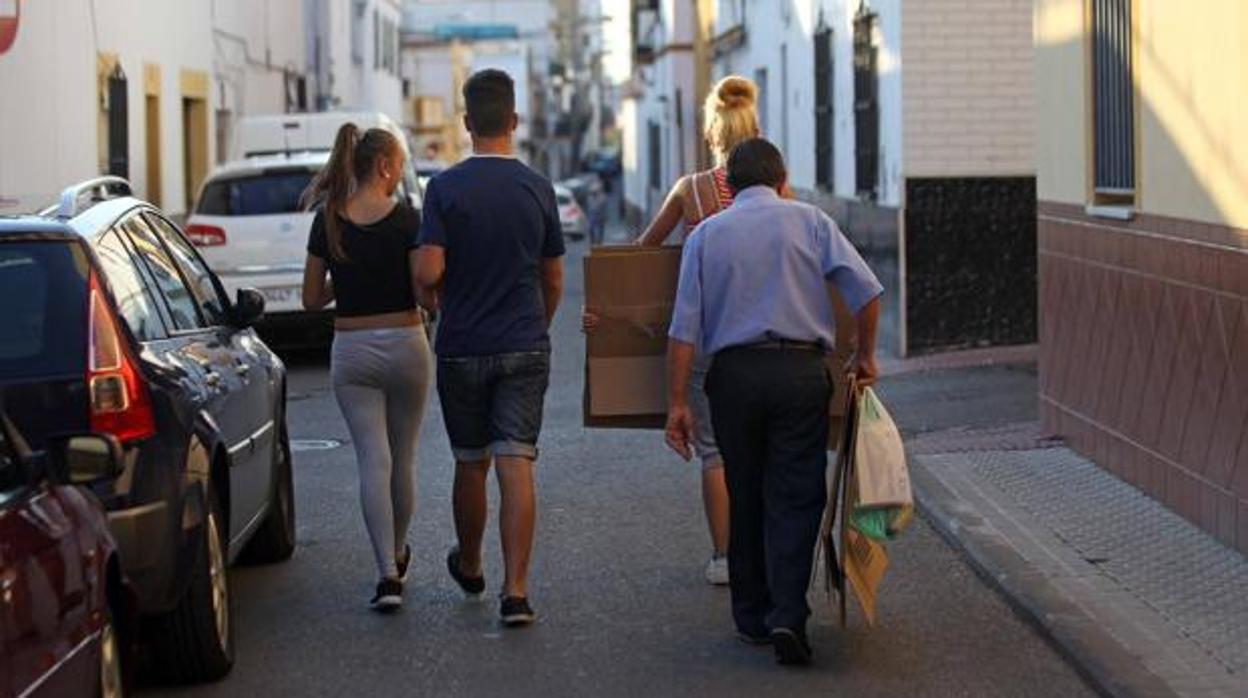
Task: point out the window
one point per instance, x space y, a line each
134 299
655 139
43 300
196 272
272 192
376 41
183 308
825 124
866 107
1113 108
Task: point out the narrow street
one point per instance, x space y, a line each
617 583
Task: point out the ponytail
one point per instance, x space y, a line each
333 185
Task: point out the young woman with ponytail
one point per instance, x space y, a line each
731 117
360 254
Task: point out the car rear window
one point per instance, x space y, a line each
43 300
563 199
272 192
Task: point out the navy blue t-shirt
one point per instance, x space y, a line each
497 220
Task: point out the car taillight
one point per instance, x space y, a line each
571 212
202 235
119 401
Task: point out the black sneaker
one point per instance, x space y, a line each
472 586
389 595
791 647
516 611
403 563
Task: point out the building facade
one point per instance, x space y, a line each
353 50
444 42
1143 246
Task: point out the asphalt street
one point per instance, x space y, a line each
617 583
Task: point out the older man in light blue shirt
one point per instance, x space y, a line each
753 295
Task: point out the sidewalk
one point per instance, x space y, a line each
1144 603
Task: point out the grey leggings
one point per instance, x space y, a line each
380 379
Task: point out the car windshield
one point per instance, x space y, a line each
268 193
43 300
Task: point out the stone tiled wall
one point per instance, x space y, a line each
1144 356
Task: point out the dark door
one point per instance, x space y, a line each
257 397
43 592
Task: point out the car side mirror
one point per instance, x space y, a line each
83 459
248 307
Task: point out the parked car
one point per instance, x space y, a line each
252 232
114 324
67 616
571 215
289 134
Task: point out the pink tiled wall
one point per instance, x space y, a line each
1144 356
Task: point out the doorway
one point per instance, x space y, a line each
194 147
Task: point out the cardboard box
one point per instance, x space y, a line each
632 289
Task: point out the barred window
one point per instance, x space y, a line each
1113 96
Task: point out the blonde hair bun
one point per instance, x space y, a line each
735 92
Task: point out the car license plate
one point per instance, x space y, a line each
281 294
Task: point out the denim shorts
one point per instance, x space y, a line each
492 405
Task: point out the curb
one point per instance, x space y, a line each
1109 667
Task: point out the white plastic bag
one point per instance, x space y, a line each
880 459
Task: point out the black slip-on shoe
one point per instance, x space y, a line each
473 587
791 647
516 611
389 596
404 563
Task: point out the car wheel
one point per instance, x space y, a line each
195 641
112 682
275 541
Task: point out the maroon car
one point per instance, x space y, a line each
65 612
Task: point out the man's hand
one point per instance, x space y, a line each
865 371
679 431
589 320
429 298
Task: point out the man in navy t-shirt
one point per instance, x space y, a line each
490 257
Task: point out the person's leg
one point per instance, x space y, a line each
715 502
737 418
517 521
464 392
405 411
795 486
515 424
363 405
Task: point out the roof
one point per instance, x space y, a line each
88 224
258 164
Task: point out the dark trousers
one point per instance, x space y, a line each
769 408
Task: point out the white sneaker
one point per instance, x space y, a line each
717 570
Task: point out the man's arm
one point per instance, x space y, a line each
679 430
552 285
867 319
430 265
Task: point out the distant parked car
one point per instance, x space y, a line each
250 228
114 324
66 614
571 216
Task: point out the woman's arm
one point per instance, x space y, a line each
318 290
670 215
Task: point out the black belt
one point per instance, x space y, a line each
780 344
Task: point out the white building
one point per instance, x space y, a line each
146 89
353 51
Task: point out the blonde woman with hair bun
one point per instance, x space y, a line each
731 117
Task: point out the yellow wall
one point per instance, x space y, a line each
1191 77
1061 101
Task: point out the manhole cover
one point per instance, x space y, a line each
299 445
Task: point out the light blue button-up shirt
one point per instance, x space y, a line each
756 272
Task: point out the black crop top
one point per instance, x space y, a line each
375 278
